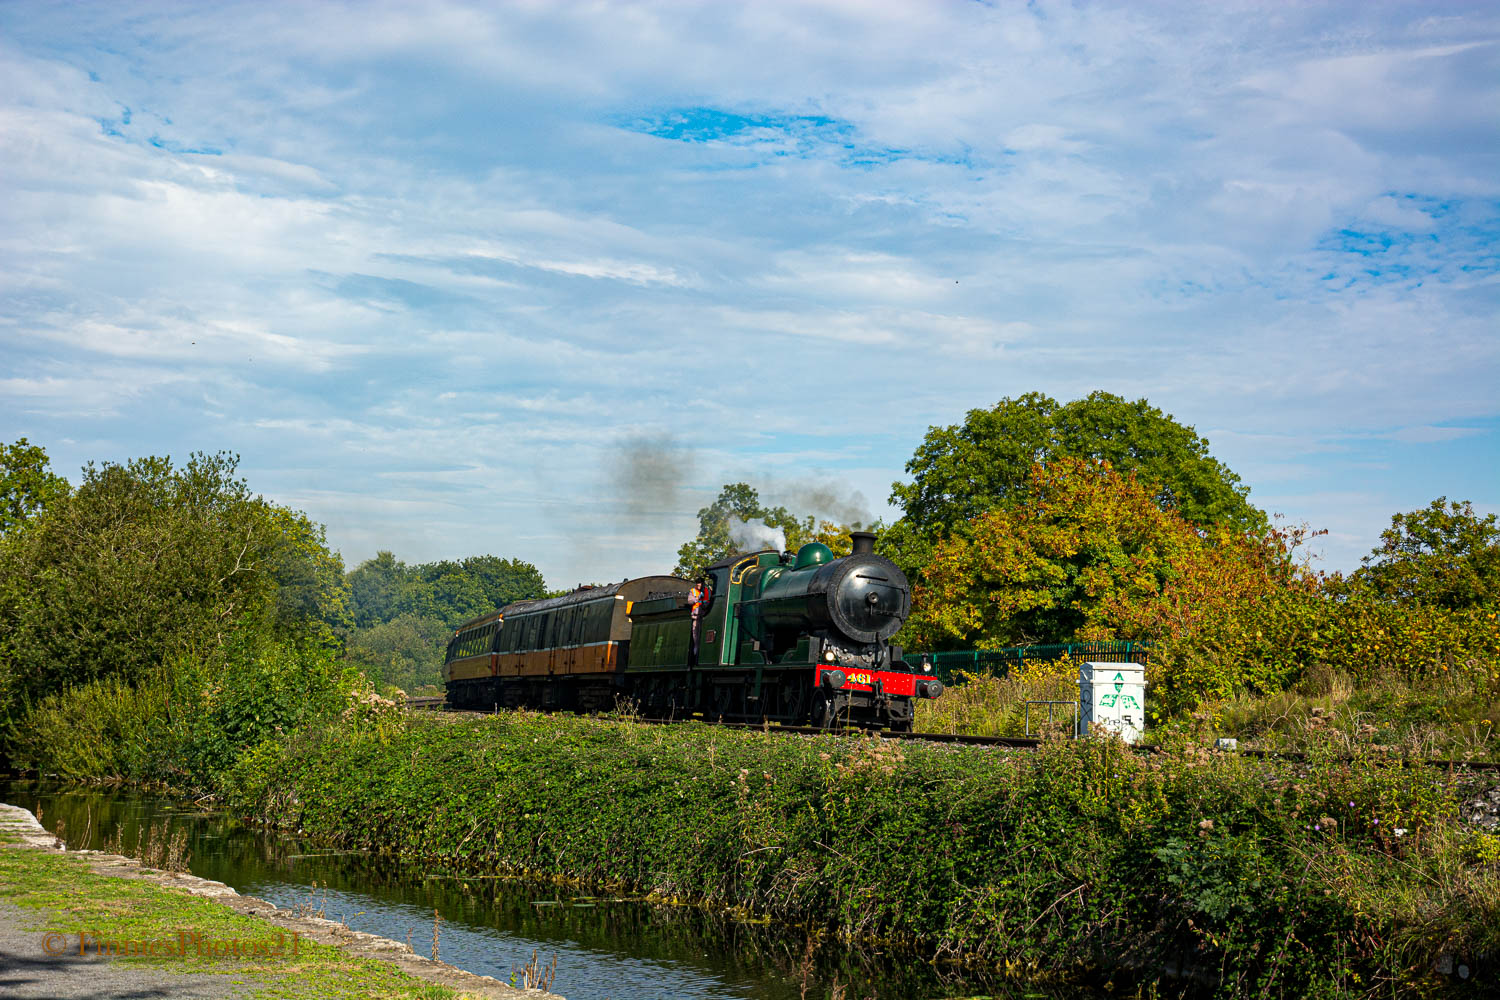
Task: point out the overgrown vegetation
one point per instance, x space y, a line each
149 580
185 725
1332 878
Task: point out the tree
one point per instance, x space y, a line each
146 564
406 652
1047 567
404 615
962 471
27 484
375 587
479 584
1087 553
1443 555
384 588
740 501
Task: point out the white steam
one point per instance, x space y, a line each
752 536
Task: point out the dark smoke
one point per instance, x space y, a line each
823 499
647 476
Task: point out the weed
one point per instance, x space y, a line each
534 975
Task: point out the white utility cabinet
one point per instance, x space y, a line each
1112 696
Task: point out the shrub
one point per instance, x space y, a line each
186 724
1082 855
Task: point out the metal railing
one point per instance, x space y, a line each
1000 662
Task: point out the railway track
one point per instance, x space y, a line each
439 704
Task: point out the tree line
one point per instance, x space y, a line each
1031 521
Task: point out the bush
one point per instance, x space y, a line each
1082 855
186 724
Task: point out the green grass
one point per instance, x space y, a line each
1446 715
66 896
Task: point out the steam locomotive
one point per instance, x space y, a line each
798 639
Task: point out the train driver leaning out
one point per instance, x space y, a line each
698 599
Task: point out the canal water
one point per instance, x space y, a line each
607 948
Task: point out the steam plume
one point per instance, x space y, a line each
750 536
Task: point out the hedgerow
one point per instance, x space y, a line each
1327 878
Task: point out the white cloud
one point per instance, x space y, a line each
459 273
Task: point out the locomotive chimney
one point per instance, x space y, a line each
864 542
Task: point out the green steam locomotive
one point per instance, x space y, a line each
766 636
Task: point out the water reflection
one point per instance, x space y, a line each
607 947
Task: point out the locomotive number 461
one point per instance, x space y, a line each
861 679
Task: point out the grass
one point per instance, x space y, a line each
65 896
1443 716
1448 716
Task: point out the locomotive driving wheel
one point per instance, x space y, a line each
794 701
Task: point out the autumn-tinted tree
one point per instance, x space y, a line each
27 484
1444 555
1056 563
984 464
1088 553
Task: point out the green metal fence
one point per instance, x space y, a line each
1000 662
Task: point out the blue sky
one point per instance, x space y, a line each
431 269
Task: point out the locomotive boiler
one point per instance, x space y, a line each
795 638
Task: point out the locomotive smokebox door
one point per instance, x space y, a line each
1112 698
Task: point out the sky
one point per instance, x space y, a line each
537 279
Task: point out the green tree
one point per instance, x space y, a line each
375 587
741 501
404 614
475 585
146 564
1444 555
27 484
406 652
962 471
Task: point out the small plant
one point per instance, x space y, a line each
155 847
534 975
314 907
435 921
